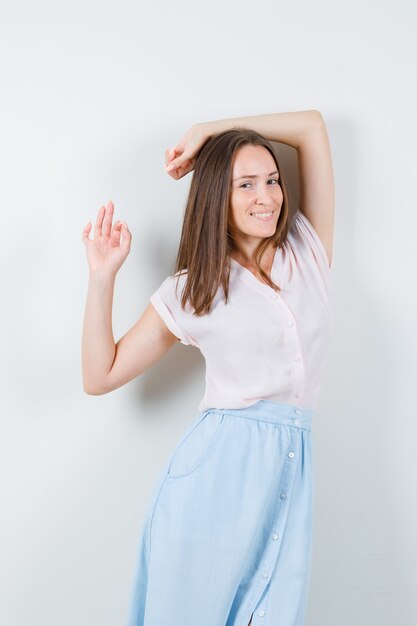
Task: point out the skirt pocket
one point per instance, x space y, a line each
197 445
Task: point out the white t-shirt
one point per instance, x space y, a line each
262 345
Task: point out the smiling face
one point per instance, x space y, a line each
256 196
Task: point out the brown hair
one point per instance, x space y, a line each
206 243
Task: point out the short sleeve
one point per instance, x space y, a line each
168 306
307 242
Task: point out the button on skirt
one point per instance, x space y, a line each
228 532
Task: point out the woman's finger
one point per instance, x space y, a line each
126 238
172 166
182 170
115 233
86 231
179 162
176 173
107 221
99 221
170 154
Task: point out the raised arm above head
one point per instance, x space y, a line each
303 130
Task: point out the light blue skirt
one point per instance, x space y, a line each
228 533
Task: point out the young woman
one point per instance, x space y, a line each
227 540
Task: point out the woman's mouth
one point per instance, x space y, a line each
264 216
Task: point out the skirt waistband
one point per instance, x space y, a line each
271 411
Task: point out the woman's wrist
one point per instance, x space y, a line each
105 277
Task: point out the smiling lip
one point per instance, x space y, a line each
268 215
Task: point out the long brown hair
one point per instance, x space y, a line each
206 243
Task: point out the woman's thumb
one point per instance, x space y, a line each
178 162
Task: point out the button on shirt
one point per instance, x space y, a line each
262 344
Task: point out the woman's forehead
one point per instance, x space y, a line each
253 161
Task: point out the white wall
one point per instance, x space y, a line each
92 94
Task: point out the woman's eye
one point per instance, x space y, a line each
275 180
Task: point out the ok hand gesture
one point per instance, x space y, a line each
110 246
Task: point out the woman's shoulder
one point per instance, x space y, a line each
305 243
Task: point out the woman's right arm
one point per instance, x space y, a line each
107 365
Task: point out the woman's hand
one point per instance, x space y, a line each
180 160
110 246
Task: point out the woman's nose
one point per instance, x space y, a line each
263 195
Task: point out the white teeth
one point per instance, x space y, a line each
263 214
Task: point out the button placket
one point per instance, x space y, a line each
262 610
266 570
272 551
286 314
299 372
298 378
297 354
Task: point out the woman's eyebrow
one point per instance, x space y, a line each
254 175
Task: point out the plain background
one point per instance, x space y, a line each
92 94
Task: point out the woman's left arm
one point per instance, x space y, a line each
306 132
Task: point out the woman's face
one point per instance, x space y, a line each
256 195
